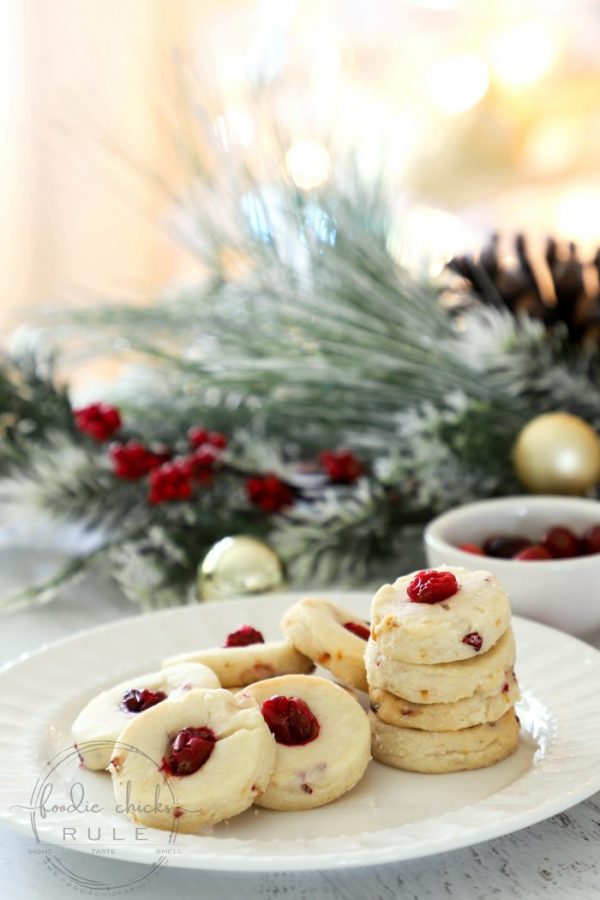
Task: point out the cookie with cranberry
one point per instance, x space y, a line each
331 636
439 615
242 664
442 682
97 726
322 737
465 713
439 752
203 757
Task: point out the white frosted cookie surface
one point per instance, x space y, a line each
439 752
243 665
442 682
98 724
236 772
318 772
317 628
466 713
434 632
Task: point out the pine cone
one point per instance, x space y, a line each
557 296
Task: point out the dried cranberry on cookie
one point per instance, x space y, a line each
322 736
442 682
244 659
439 615
97 726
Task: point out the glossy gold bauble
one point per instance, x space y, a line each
557 453
237 566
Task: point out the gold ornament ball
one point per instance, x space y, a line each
238 565
557 453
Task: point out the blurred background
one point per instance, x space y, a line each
487 116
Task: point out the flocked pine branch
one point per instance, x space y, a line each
338 539
305 335
32 403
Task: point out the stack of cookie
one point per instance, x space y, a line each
440 672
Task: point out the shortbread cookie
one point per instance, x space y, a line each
98 724
323 740
462 626
438 752
445 716
442 682
244 665
200 758
330 636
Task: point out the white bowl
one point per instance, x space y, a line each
564 593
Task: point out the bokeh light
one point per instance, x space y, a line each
308 163
458 83
523 55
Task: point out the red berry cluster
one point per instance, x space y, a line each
269 493
99 420
133 460
341 466
171 481
176 479
200 437
203 464
559 542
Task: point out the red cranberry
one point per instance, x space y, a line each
471 548
536 551
591 540
504 546
431 586
560 542
358 629
243 636
189 750
290 720
137 701
474 640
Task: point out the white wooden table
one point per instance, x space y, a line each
558 858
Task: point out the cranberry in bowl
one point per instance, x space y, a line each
563 591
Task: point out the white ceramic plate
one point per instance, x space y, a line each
389 816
